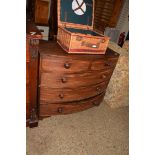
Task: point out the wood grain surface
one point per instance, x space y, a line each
72 82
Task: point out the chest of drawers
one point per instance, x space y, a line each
70 83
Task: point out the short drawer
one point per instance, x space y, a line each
52 80
63 64
67 95
67 108
104 64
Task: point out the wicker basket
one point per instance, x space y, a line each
79 37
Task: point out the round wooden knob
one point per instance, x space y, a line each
64 79
67 65
60 110
107 64
61 95
98 89
95 103
103 76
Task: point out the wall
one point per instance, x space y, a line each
123 22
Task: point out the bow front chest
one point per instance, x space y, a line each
70 83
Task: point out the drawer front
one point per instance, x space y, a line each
63 64
27 73
57 109
104 64
67 95
52 80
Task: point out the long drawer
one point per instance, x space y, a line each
52 80
71 107
67 95
68 65
63 64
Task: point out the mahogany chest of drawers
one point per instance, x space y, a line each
70 83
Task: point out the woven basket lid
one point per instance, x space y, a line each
75 13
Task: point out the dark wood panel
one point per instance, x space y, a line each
68 95
57 109
106 13
116 12
41 12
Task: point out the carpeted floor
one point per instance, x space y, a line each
97 131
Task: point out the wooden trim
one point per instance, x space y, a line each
85 51
33 82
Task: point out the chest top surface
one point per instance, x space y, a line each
51 48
